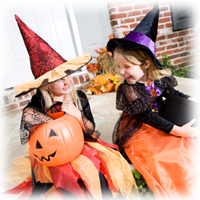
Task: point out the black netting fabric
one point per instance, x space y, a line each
34 116
89 133
132 100
31 120
125 127
135 101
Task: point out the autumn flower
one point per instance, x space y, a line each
111 36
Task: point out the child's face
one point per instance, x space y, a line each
131 72
61 86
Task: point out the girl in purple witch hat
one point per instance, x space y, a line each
165 154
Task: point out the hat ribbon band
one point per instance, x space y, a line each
141 39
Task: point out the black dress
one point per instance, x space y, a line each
136 102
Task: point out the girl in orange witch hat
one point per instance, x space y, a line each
165 154
67 157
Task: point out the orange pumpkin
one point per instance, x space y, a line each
105 79
57 142
116 86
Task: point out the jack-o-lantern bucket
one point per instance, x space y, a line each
57 142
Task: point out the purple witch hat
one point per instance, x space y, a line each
142 37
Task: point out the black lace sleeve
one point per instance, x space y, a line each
87 118
133 99
33 116
85 106
31 119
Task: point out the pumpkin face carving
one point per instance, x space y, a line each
57 142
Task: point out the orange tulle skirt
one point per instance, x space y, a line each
169 164
95 157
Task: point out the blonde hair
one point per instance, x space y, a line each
48 98
139 57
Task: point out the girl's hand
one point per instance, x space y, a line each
69 107
186 130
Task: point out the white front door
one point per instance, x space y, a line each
46 18
93 24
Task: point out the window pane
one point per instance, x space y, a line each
183 14
197 9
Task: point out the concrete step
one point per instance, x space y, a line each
189 86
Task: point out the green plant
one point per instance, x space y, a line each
144 190
166 63
185 72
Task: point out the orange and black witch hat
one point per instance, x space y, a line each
46 64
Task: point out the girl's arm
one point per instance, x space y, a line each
33 113
71 109
33 117
160 123
156 121
85 117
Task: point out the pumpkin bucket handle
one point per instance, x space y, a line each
57 114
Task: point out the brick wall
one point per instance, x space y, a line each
179 45
9 103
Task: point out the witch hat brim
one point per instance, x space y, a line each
60 71
143 37
127 44
46 64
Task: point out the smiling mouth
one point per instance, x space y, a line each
129 78
43 158
66 88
